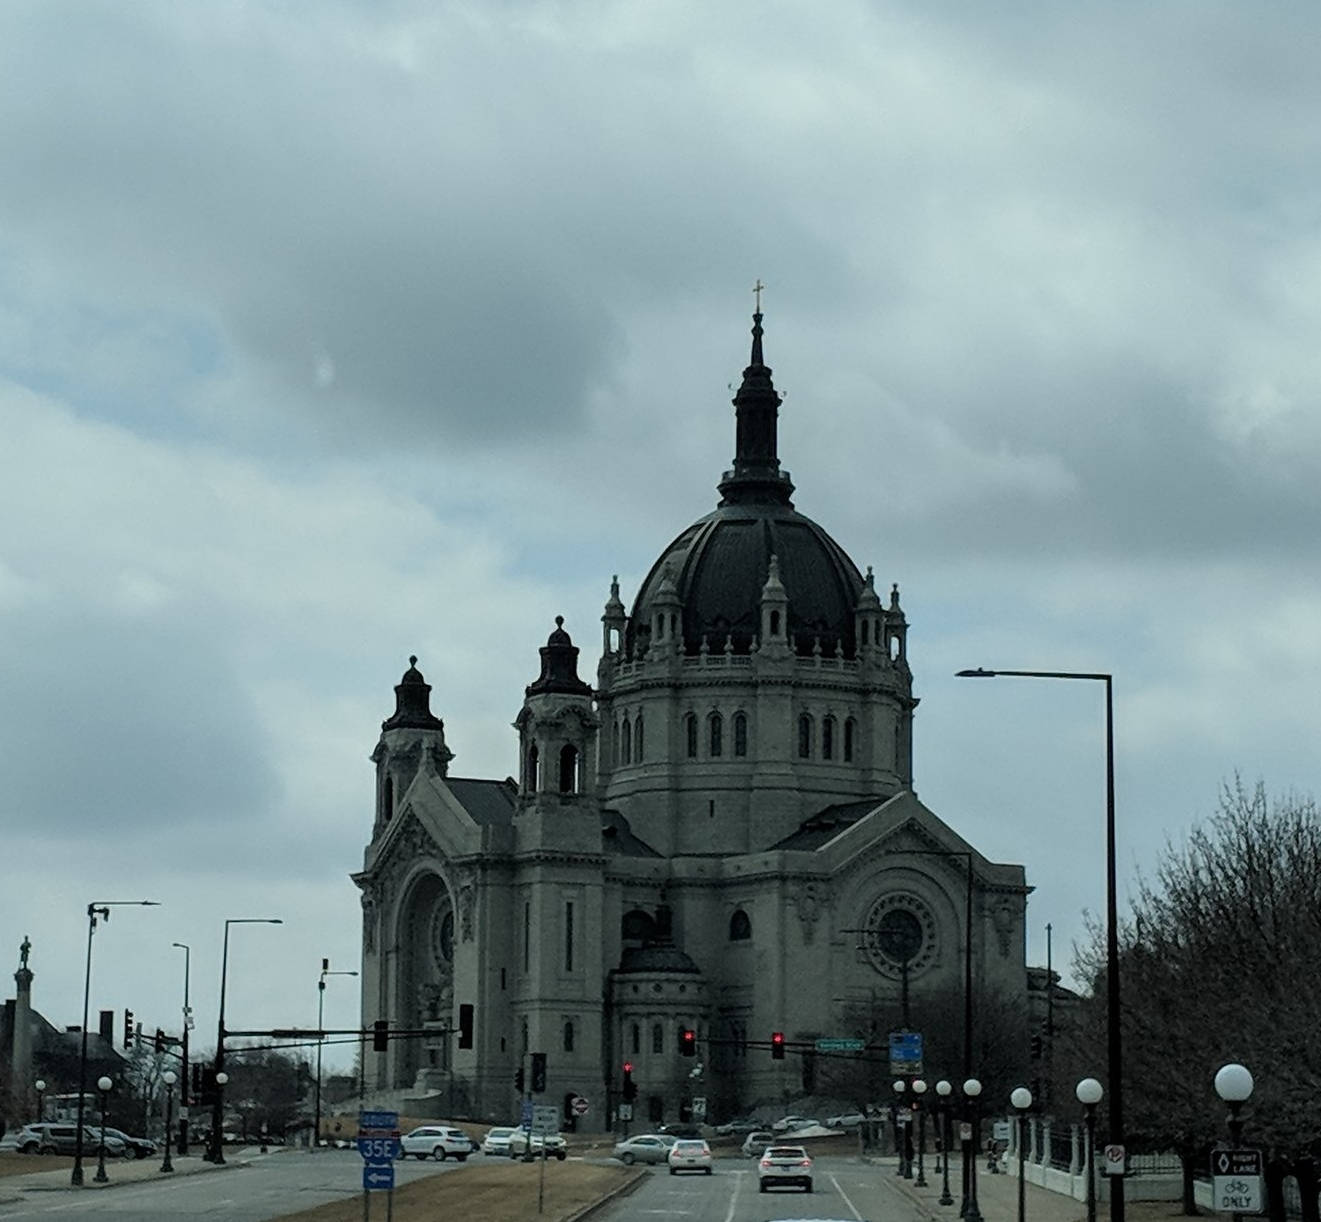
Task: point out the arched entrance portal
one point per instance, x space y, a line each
426 983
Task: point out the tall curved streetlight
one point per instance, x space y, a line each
96 910
183 1048
1089 1094
1114 1046
320 1039
218 1105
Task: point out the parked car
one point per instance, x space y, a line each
681 1130
690 1155
554 1146
784 1165
437 1141
850 1120
496 1140
134 1147
63 1139
790 1124
754 1143
743 1125
644 1148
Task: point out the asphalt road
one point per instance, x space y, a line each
253 1190
844 1189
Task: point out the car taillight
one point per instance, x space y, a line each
765 1162
807 1162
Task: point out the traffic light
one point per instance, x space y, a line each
381 1035
518 1079
128 1028
209 1090
1036 1047
630 1091
688 1042
777 1045
538 1073
159 1042
465 1025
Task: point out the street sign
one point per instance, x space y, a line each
525 1115
699 1107
965 1131
377 1176
1236 1181
1001 1130
378 1149
580 1106
545 1120
625 1111
1114 1160
840 1045
904 1116
389 1121
905 1053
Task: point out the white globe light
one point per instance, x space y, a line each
1233 1083
221 1078
943 1088
168 1077
104 1084
972 1088
40 1084
1089 1092
919 1087
900 1087
1021 1098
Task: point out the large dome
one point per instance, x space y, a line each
719 565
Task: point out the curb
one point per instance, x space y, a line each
614 1194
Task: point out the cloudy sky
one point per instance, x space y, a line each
335 333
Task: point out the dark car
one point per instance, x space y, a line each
134 1147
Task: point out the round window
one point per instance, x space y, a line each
899 932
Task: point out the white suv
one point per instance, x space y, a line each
438 1142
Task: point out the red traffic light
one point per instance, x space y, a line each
777 1045
628 1066
688 1043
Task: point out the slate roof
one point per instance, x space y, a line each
618 839
490 803
825 825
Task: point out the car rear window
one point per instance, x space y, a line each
690 1145
786 1152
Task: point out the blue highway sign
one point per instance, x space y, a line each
378 1120
377 1177
379 1149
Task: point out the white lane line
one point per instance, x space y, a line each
845 1195
733 1199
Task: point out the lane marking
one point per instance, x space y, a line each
733 1196
845 1195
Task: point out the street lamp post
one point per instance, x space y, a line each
920 1089
1114 1046
218 1106
103 1084
943 1089
40 1084
320 1038
183 1050
1089 1095
901 1128
96 909
1021 1098
168 1078
971 1089
1233 1084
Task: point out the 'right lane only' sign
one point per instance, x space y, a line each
1236 1181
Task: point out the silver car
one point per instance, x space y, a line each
644 1148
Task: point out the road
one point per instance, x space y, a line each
253 1190
844 1189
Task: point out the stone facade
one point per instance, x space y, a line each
722 835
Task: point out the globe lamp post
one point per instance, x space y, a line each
40 1084
1021 1098
971 1090
169 1079
943 1089
1233 1084
1089 1094
920 1089
103 1085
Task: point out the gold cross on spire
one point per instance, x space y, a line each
757 288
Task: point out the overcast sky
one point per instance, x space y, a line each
331 334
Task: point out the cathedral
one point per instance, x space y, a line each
719 835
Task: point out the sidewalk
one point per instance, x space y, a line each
997 1196
118 1171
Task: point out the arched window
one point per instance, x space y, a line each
530 780
387 800
637 740
568 1037
740 927
775 623
626 750
828 739
740 734
804 737
569 769
865 625
657 1038
716 726
690 734
849 735
635 1039
619 736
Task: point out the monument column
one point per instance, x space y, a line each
21 1065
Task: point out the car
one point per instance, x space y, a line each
437 1141
681 1130
690 1154
790 1124
496 1140
850 1120
744 1125
134 1147
63 1139
755 1142
784 1165
644 1148
552 1145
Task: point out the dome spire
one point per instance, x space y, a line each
756 475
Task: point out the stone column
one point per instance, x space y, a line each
21 1066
